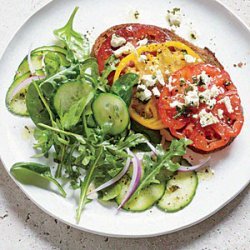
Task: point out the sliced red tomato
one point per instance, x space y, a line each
186 122
132 33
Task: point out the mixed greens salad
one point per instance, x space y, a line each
84 124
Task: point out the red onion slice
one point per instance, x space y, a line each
137 171
115 179
24 84
194 167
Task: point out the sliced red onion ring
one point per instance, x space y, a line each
194 167
137 170
31 66
115 179
24 84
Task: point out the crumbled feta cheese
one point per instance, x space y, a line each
117 41
226 100
144 95
142 58
160 77
126 49
176 103
195 116
156 92
169 84
192 97
153 68
141 87
174 17
220 113
142 42
204 77
207 118
149 80
129 28
189 59
167 72
208 96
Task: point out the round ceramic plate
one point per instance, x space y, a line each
216 27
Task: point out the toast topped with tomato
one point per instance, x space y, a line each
183 90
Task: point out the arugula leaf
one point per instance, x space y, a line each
110 66
85 184
89 70
77 45
164 160
72 117
123 86
49 85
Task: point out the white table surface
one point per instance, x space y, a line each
24 226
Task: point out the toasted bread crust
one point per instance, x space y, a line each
206 55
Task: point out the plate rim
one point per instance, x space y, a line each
102 233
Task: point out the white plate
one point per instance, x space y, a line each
230 41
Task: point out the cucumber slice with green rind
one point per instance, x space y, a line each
15 100
69 93
37 59
179 192
145 200
110 108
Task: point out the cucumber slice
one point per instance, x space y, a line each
109 108
69 93
179 192
15 99
37 60
146 199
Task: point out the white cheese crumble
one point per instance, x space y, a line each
167 72
126 49
226 100
174 17
142 58
176 104
149 80
160 77
204 77
220 113
207 118
144 95
192 97
117 41
189 58
142 42
156 92
195 116
208 96
169 84
141 87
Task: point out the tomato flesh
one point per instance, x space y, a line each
187 124
132 33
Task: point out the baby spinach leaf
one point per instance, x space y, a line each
36 108
77 45
72 117
34 174
123 86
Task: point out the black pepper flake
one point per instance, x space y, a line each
136 14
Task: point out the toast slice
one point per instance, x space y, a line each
206 55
